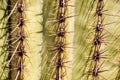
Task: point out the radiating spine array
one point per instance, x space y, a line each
16 37
97 42
60 40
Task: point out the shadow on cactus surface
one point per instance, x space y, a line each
59 40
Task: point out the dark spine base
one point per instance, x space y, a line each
14 63
20 50
97 42
61 18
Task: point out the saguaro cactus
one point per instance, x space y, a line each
59 40
20 39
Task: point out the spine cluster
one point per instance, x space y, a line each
16 39
60 40
21 37
97 42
